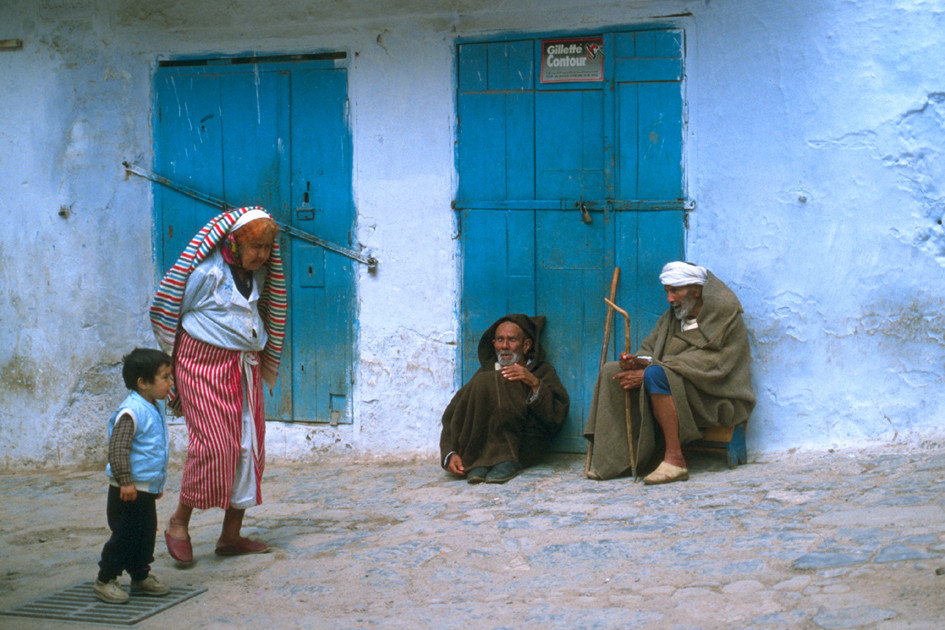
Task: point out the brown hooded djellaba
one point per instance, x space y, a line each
491 420
708 373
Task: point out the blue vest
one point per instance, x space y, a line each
149 446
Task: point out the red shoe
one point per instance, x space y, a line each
180 550
244 547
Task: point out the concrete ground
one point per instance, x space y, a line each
810 540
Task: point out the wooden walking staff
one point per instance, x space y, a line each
626 393
603 353
610 317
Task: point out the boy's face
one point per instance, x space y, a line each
158 388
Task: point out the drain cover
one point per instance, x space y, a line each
78 603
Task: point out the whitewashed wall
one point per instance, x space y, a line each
814 154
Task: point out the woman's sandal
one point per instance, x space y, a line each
180 550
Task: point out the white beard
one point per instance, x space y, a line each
682 308
507 359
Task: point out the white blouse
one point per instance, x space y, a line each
214 311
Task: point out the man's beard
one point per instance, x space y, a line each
508 358
684 307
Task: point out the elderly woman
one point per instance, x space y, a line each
221 309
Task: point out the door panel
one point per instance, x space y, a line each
252 161
499 268
323 298
189 147
530 156
658 145
274 135
483 126
571 284
569 143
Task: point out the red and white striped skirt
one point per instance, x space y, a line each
210 383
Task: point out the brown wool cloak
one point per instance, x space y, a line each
708 373
489 420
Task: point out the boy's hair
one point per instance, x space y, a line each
142 363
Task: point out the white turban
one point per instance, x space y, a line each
681 274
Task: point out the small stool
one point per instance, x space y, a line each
730 440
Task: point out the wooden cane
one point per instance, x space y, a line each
626 392
603 355
610 317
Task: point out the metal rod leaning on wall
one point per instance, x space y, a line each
134 169
603 356
626 393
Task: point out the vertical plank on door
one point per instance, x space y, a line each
322 282
189 149
254 168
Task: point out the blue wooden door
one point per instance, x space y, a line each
561 182
272 134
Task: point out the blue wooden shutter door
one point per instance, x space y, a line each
529 155
266 135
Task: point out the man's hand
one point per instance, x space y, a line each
128 493
632 362
518 372
455 465
630 379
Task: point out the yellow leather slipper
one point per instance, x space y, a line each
666 473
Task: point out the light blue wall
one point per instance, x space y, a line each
816 161
813 153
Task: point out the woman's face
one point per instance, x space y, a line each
254 254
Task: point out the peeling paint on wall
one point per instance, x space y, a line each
18 374
82 435
412 374
921 164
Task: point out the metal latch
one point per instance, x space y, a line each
585 215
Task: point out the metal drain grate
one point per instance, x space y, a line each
78 603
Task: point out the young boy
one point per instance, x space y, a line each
137 470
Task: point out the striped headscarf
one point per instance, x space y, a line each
273 302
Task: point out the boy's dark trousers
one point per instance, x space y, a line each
134 526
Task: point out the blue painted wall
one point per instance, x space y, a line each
813 151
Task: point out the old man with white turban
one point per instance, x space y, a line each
692 372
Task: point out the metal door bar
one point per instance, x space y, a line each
134 169
571 204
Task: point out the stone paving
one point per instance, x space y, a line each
850 539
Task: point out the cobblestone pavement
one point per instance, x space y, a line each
850 539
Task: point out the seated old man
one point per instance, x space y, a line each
693 373
506 416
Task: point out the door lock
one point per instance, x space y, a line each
305 212
585 215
